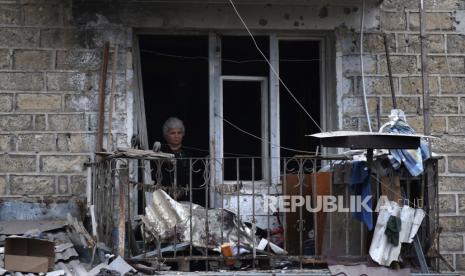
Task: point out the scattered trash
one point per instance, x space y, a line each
166 215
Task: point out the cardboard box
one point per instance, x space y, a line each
29 255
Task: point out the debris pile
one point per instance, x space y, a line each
55 248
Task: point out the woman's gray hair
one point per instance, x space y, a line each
172 122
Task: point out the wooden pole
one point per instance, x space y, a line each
101 99
112 98
424 72
388 62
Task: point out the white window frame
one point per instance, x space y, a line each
219 123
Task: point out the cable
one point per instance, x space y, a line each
271 66
225 60
261 139
362 23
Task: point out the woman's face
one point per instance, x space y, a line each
174 137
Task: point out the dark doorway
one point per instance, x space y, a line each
175 82
242 101
299 68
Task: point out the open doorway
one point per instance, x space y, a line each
299 68
175 82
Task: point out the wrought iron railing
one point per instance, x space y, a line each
238 209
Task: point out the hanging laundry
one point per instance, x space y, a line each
411 158
393 227
361 186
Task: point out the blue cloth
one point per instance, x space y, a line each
411 158
361 186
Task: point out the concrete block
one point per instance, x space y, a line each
62 38
461 203
38 102
447 203
399 4
36 142
462 105
451 183
435 21
349 123
119 122
78 185
17 163
21 81
9 14
393 21
452 85
73 142
460 262
32 185
66 122
413 85
82 102
451 242
410 105
97 37
444 105
15 122
455 43
441 65
399 64
40 122
32 60
376 86
449 144
452 224
438 124
410 43
351 64
63 164
67 82
450 260
5 59
355 106
456 125
7 143
79 59
2 185
42 14
6 102
63 185
19 37
444 4
456 164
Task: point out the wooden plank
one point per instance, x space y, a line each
101 99
322 187
112 98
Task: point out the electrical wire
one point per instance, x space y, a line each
271 66
362 24
259 138
225 60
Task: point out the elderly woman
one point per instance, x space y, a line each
173 132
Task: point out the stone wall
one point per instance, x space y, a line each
399 19
49 73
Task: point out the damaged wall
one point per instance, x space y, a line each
50 55
49 73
